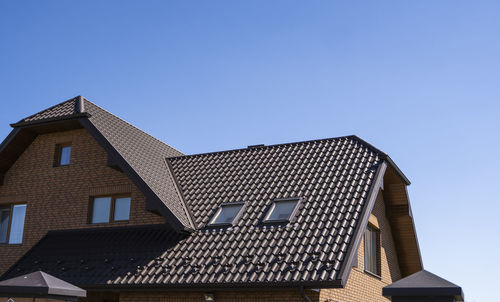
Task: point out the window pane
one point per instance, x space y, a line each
101 209
367 250
4 223
226 214
122 208
17 225
371 250
374 252
65 155
282 210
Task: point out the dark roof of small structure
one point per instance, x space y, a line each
39 284
423 283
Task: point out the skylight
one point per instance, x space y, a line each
226 214
281 210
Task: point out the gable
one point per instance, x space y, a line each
129 149
362 286
59 197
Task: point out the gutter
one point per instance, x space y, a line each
303 293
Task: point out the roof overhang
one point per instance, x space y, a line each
370 203
392 183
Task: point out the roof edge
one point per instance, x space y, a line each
130 124
386 157
51 107
263 146
218 286
21 124
352 251
150 195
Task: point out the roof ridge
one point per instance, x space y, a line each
160 141
270 146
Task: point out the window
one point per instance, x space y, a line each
108 209
12 223
372 250
282 210
62 155
227 213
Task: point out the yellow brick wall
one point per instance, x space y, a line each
225 296
361 286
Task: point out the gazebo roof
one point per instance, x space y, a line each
42 285
423 283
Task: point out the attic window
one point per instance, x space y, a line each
372 250
12 223
62 154
227 214
282 210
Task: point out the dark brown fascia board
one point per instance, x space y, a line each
52 107
352 251
49 120
9 138
216 286
386 157
23 137
153 202
455 292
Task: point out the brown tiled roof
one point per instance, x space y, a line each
141 151
332 177
66 108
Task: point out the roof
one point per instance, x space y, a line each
423 283
334 178
142 156
40 284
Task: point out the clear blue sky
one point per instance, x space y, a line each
418 79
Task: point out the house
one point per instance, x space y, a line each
94 201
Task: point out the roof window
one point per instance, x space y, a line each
227 213
282 210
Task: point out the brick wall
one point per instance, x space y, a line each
59 197
364 287
226 296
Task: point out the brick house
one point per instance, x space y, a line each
90 199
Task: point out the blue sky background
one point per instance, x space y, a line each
418 79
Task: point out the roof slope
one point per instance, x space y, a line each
333 177
423 283
93 256
141 151
39 284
